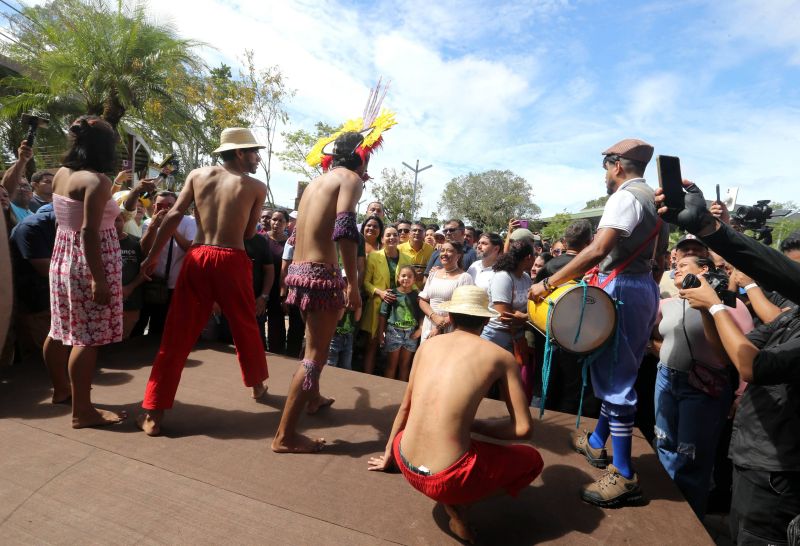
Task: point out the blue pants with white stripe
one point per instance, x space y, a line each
614 375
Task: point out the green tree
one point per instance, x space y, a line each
297 145
784 229
556 227
269 95
108 60
596 203
396 191
788 205
488 199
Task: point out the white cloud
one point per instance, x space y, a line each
516 85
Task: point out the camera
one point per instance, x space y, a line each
717 280
754 218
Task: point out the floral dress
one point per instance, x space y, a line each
75 319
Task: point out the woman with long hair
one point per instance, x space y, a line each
372 231
380 281
85 270
693 387
276 322
508 294
439 289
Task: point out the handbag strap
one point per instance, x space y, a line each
169 258
621 267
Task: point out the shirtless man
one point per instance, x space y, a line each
326 218
216 269
431 439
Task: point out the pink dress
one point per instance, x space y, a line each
75 319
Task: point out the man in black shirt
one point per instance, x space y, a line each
32 243
765 447
132 276
577 237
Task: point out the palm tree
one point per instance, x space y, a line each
87 57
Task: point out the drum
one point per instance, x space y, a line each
599 317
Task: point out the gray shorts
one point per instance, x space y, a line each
397 338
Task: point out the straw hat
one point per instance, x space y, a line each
469 300
234 138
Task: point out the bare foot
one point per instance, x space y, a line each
150 422
458 522
259 390
98 418
297 444
318 403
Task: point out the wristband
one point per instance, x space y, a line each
716 308
749 286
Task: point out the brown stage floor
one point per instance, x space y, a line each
212 479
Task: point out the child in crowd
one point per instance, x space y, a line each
401 322
340 354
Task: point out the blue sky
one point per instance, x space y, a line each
539 87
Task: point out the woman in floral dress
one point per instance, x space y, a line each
85 270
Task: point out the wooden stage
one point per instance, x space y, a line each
212 478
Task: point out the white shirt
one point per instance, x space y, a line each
481 276
188 229
622 211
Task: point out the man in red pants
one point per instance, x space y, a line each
216 269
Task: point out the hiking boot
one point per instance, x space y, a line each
596 457
613 490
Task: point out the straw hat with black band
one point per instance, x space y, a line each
469 300
235 138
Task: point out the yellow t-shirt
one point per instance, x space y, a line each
419 257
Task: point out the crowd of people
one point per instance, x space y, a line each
95 264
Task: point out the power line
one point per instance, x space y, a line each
25 16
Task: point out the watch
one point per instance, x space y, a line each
265 296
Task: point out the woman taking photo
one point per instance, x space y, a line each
85 270
372 231
380 281
276 323
508 294
439 288
693 387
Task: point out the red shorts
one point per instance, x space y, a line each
480 472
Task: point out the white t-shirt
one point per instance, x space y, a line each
188 229
481 275
507 288
622 211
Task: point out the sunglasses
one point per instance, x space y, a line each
610 159
404 230
450 230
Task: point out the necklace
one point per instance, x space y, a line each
448 271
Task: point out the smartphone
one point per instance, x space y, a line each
690 281
670 180
523 223
718 199
126 165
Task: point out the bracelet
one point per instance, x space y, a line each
749 286
716 308
546 284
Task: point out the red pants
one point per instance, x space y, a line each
209 274
480 472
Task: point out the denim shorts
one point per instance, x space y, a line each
397 338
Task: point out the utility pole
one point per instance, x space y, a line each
416 171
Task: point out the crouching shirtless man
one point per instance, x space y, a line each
216 269
431 439
326 219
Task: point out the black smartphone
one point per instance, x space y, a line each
670 180
718 199
690 281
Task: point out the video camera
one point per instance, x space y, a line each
717 280
755 219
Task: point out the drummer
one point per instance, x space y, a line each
624 245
